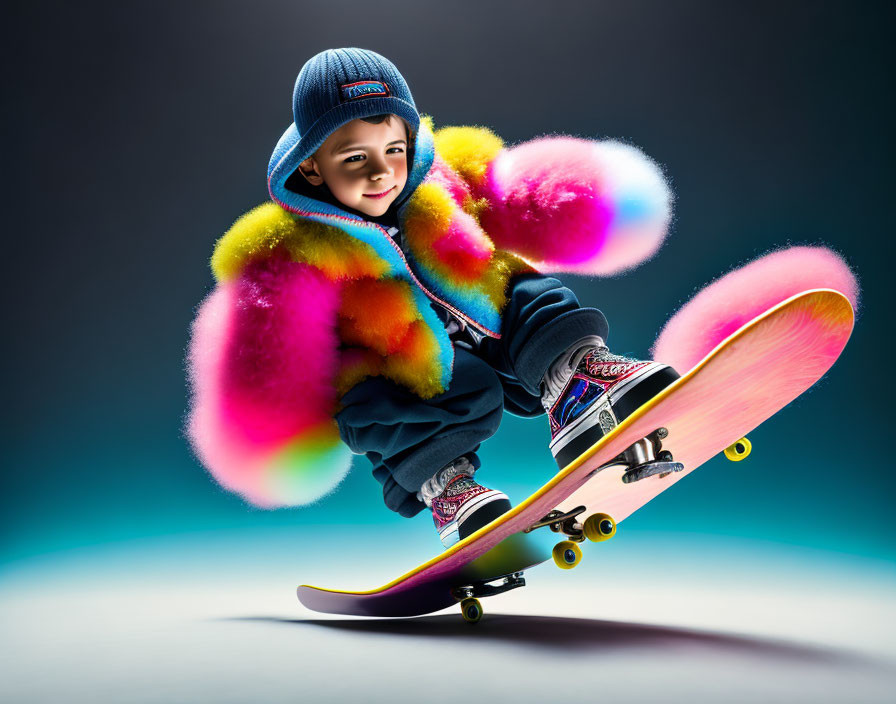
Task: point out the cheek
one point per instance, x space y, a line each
344 181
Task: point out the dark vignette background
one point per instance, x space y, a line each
137 132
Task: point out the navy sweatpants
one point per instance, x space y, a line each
408 439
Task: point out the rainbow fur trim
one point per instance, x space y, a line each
734 299
564 204
454 257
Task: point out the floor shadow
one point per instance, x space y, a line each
581 635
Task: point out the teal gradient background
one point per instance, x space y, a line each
138 132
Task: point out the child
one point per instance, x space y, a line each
395 286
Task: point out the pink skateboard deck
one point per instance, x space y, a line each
746 379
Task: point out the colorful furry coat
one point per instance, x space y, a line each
311 299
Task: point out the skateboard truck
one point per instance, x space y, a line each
647 458
507 582
644 458
467 594
596 528
562 522
567 554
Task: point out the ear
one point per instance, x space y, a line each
309 170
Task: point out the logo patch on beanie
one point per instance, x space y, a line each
364 89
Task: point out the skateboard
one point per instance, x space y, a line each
746 379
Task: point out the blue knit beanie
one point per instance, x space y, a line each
334 87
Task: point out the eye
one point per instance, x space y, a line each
352 158
399 150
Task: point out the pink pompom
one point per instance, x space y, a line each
261 363
576 205
733 300
279 372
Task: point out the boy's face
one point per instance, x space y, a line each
364 166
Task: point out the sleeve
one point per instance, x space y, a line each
564 204
261 363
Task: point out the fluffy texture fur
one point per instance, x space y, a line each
267 227
606 210
734 299
261 361
311 300
469 151
445 238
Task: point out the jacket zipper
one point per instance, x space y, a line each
469 323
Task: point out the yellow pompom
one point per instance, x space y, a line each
468 150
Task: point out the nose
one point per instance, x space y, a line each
378 167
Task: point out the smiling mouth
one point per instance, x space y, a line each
378 195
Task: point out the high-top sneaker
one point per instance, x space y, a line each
462 507
588 391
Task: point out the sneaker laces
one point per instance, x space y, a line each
436 484
561 369
602 354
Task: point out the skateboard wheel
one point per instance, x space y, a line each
739 450
471 610
567 555
599 527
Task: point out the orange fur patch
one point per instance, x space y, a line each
376 313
